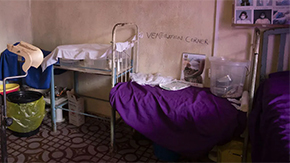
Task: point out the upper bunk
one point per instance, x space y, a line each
98 58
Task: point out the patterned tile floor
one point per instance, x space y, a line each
87 143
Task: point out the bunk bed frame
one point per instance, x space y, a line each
116 76
260 70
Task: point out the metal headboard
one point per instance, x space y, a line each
283 35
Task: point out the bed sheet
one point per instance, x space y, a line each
269 121
189 121
86 52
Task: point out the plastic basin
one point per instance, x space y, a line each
227 77
10 87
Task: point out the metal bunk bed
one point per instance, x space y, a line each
260 66
117 76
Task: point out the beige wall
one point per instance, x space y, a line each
68 22
58 22
231 42
15 22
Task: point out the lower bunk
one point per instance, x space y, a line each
190 121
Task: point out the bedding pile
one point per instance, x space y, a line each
190 121
149 79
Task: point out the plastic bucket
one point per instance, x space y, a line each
27 109
10 87
227 77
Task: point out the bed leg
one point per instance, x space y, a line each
52 101
245 146
113 120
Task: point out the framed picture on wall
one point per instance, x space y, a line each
193 67
244 17
264 13
262 16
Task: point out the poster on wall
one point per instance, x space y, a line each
264 12
192 68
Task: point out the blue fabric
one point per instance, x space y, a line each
11 67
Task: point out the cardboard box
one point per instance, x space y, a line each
232 152
75 104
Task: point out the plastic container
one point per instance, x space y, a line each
10 87
101 63
27 109
227 77
105 64
70 63
165 154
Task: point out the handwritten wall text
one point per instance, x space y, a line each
188 39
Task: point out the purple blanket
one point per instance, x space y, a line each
269 121
189 121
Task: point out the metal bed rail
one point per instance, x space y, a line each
6 121
282 33
252 88
119 73
123 76
260 70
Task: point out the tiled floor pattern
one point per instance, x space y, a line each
88 143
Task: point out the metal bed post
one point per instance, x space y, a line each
6 121
252 89
115 72
3 134
76 83
136 50
52 101
113 111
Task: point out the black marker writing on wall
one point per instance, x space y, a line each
188 39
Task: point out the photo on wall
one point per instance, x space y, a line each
244 17
281 17
262 16
264 2
244 2
282 2
262 12
193 67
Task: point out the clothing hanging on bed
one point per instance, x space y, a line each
11 67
